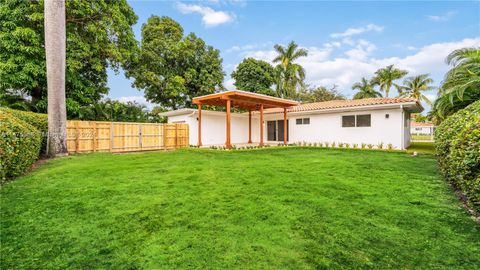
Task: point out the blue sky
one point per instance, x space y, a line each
346 40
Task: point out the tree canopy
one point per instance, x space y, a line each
365 89
290 75
171 68
461 85
255 76
386 76
99 36
414 87
317 94
114 110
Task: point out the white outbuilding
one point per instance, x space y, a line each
361 121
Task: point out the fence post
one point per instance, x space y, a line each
77 137
159 135
111 136
140 135
164 136
176 136
94 136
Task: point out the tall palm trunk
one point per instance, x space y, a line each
55 42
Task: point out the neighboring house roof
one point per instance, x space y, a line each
420 124
339 104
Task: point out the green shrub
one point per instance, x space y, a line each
19 146
457 142
38 120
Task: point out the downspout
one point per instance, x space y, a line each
194 112
403 127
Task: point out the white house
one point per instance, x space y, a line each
370 121
418 128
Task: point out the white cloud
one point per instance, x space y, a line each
249 47
210 17
357 31
344 70
229 84
361 50
442 18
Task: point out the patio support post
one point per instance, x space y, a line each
249 126
261 124
228 143
284 126
199 125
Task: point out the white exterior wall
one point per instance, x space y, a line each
327 127
323 127
421 130
406 129
214 128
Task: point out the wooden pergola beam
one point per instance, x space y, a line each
261 124
199 125
228 143
249 126
244 100
284 125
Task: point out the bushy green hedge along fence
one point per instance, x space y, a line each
20 145
457 141
38 120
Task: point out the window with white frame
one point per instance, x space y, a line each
302 121
361 120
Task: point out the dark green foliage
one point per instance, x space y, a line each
114 110
289 75
255 76
38 120
20 145
171 68
246 209
318 94
457 142
99 35
365 89
461 85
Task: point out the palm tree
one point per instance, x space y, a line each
289 74
386 76
365 89
461 85
55 46
414 86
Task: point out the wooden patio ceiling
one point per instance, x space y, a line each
244 100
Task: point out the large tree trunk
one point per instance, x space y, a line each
55 42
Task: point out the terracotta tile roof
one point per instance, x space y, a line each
336 104
420 124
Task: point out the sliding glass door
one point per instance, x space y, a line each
275 130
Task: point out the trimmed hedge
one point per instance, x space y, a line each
457 141
20 145
38 120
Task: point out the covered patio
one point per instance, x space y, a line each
243 100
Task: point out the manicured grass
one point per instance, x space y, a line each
288 208
422 148
421 137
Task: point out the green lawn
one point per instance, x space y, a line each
422 148
288 208
421 137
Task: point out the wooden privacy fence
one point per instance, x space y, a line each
93 136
